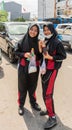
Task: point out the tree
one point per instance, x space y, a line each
21 19
3 15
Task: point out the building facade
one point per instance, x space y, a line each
54 8
64 8
15 11
45 9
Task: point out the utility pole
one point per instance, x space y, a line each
67 7
44 9
54 8
67 3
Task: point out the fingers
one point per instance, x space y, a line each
41 42
27 55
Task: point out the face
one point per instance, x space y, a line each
33 31
46 31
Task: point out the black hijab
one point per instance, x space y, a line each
50 26
28 42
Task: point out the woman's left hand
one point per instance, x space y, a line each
47 56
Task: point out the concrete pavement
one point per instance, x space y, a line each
9 118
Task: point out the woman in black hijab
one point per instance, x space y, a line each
54 54
28 82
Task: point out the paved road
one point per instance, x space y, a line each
9 118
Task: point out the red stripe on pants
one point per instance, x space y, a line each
19 98
34 95
49 92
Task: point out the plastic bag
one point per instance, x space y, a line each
32 65
43 67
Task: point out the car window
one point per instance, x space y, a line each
41 25
68 30
68 27
17 29
62 26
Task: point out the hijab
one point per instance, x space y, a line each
30 42
50 26
50 41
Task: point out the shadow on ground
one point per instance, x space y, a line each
8 63
34 121
1 72
69 51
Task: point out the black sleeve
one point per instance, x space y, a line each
60 53
18 49
39 56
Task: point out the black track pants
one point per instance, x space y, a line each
48 81
26 83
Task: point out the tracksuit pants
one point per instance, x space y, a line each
48 81
26 83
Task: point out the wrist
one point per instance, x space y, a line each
51 58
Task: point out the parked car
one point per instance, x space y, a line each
12 32
65 31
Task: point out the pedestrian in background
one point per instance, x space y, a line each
27 82
54 54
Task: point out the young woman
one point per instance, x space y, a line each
28 82
54 54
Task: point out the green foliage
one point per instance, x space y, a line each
3 15
20 19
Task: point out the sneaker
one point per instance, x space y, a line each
21 111
50 123
43 113
36 107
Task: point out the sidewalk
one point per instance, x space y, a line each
9 118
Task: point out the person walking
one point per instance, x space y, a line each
53 53
27 82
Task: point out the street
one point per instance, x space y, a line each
9 118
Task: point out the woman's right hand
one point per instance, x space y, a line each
27 55
41 45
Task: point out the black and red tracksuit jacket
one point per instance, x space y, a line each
57 51
20 50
